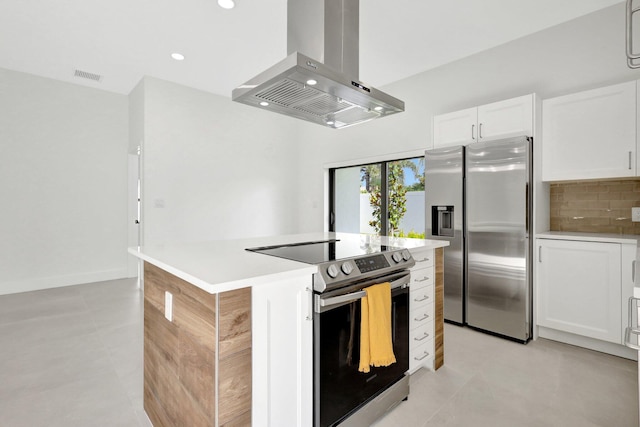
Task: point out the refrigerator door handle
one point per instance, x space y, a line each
526 206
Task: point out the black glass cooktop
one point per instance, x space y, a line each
319 252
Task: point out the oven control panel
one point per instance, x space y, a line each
340 272
372 263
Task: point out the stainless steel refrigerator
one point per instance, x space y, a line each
444 185
497 195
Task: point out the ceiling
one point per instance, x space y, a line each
123 40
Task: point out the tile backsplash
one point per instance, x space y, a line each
595 206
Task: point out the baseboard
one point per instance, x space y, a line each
586 342
39 283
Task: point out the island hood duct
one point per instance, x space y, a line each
321 85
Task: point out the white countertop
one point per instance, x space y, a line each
629 239
224 265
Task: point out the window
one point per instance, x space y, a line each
362 195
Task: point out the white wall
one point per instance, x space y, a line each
63 183
225 170
581 54
214 169
348 202
136 140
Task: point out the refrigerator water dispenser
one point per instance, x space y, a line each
443 220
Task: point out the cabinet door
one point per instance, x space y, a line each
579 285
590 134
457 128
511 117
282 354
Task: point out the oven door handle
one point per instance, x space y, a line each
354 296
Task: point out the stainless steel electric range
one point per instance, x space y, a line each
343 395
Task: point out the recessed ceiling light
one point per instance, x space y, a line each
378 108
226 4
311 82
330 122
177 56
264 103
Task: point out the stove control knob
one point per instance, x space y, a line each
397 257
332 271
347 268
406 255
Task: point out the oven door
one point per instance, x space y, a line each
339 388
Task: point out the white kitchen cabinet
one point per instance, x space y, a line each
491 121
579 288
282 353
583 284
421 311
590 134
456 128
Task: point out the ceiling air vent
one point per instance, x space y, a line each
87 75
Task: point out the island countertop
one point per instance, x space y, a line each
224 265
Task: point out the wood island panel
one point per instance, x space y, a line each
439 309
210 334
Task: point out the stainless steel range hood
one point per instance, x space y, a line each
325 90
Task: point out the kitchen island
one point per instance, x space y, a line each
228 333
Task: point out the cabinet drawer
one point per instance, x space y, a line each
421 277
423 259
421 316
421 334
421 355
420 297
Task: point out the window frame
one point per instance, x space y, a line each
384 190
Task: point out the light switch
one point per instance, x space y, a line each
168 306
635 214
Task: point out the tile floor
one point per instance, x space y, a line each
72 357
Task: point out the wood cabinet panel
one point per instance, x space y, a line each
182 357
197 372
167 402
242 420
235 321
158 330
439 309
234 386
195 319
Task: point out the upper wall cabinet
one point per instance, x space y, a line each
590 134
499 119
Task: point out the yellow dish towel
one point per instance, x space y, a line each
376 346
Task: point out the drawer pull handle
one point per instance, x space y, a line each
422 260
424 279
425 354
424 298
426 316
424 336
